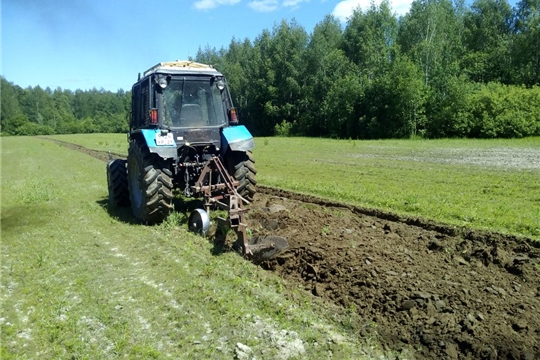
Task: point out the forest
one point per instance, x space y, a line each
37 111
445 69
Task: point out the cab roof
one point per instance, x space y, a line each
182 67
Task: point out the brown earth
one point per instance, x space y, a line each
445 292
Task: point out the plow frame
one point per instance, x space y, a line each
235 218
225 196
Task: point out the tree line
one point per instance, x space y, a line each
37 111
444 69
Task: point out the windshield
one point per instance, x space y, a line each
192 103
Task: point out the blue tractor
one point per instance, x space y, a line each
185 137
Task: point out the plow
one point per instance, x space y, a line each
234 204
185 137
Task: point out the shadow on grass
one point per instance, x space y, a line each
219 242
14 218
182 206
125 214
217 236
186 206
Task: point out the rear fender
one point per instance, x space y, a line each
164 151
237 138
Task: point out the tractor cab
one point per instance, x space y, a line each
180 96
189 102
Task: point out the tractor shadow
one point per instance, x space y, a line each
186 206
125 215
218 237
122 214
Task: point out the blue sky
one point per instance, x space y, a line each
82 44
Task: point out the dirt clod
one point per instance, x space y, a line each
519 325
407 305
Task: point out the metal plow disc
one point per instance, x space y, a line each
263 248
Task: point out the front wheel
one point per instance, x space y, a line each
150 184
242 167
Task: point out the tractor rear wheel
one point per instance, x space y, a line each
150 184
117 183
242 167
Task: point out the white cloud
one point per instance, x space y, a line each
264 5
293 3
210 4
345 9
401 7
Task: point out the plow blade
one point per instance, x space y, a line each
263 248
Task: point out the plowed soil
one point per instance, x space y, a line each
444 292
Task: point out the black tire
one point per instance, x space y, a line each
150 184
242 167
117 183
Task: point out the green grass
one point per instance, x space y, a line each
79 282
431 179
416 178
434 179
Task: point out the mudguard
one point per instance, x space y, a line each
165 151
238 138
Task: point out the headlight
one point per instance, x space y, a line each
162 82
220 85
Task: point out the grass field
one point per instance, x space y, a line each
79 282
483 184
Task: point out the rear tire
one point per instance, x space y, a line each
242 167
150 184
117 183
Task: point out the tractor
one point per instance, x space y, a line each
185 139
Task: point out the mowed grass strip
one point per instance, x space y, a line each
483 184
78 282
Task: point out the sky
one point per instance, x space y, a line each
104 44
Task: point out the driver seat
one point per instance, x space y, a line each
191 115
